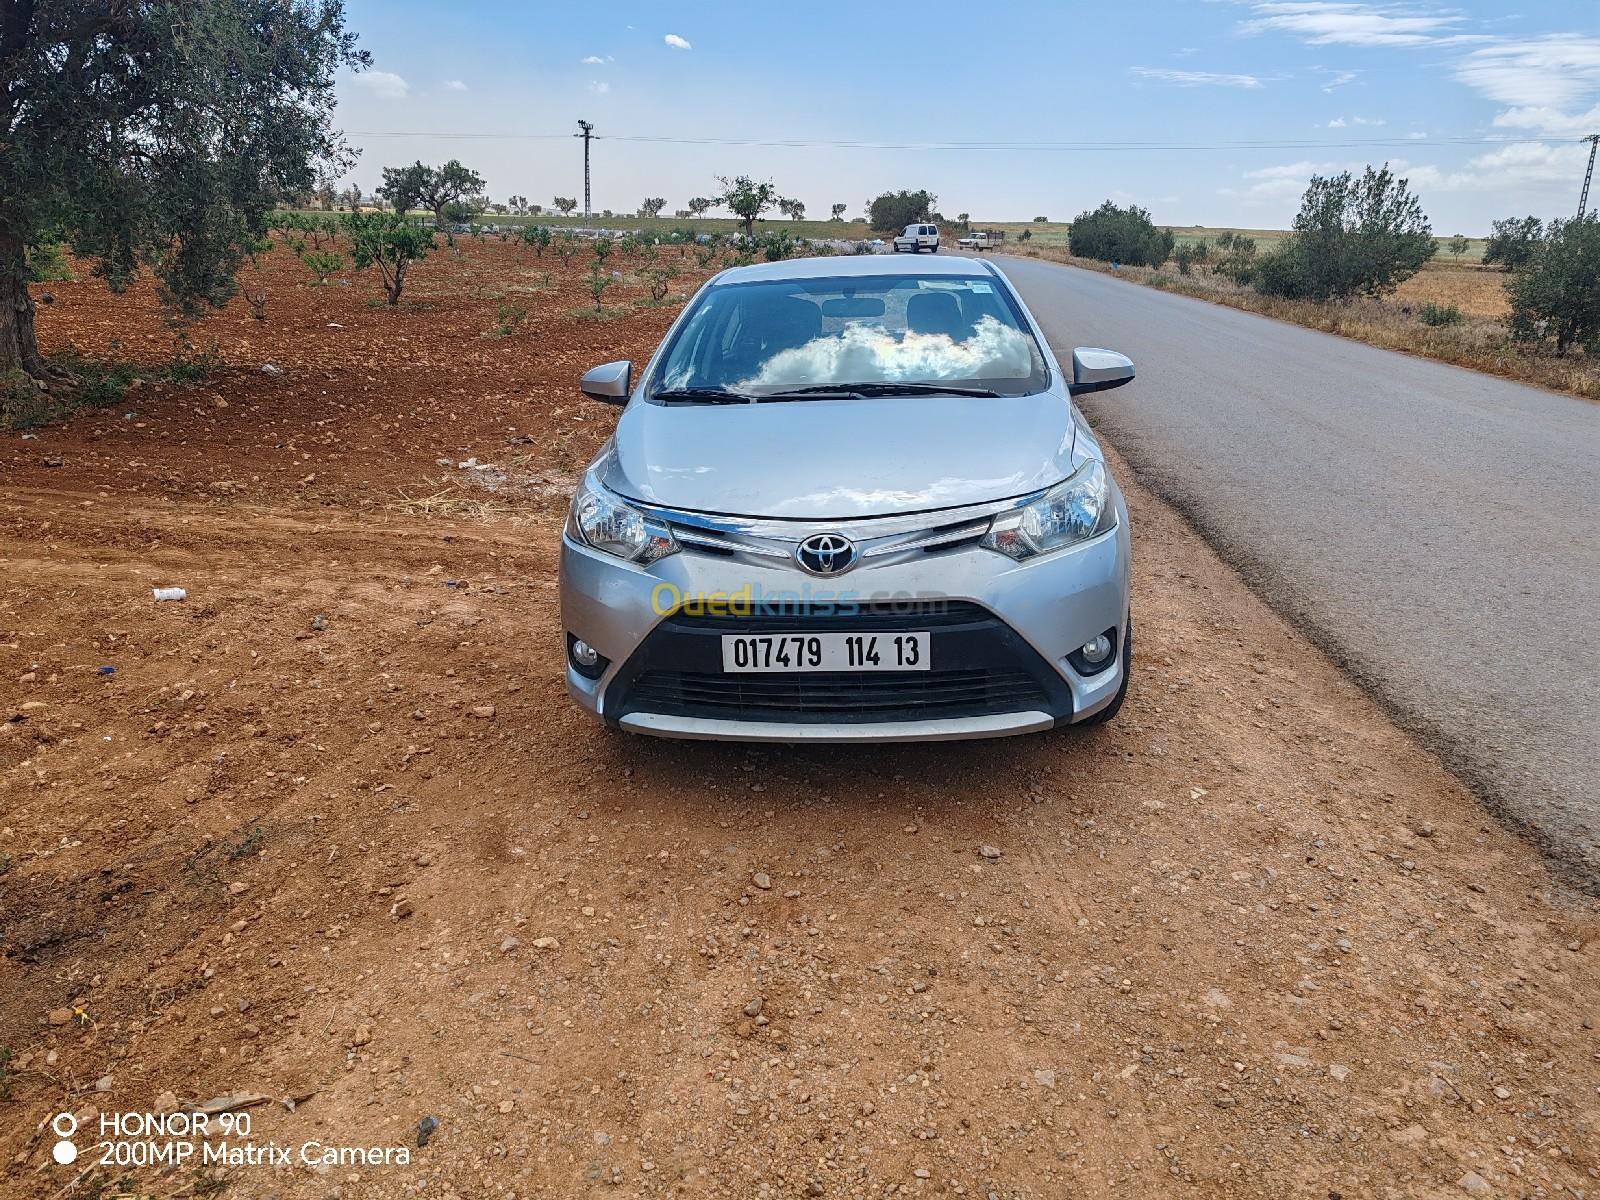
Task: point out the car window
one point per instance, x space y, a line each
776 335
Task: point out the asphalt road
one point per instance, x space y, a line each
1437 530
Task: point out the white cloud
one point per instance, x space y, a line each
1196 78
1550 120
1337 123
454 85
1517 167
595 60
598 86
676 42
1285 182
1340 78
1335 23
1542 80
385 85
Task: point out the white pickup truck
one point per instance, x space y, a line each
983 239
917 238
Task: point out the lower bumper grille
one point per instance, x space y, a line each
980 666
832 696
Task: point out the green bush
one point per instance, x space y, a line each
1120 235
48 264
893 211
1439 314
322 263
1557 294
1351 237
1512 241
1235 257
1187 254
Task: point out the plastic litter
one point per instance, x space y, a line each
105 671
169 593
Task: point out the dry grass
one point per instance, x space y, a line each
1476 291
1478 341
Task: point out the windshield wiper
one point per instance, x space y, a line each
702 395
884 388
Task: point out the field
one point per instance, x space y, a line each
1477 291
327 837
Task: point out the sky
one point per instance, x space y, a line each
1206 112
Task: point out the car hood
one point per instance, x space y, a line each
835 459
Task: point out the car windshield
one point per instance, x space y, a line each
824 336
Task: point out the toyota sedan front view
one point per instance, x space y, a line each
849 499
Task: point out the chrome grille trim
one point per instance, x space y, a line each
876 538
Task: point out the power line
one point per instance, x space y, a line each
824 144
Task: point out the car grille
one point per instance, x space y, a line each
980 667
832 696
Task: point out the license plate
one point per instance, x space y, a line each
770 652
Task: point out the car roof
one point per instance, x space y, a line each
857 264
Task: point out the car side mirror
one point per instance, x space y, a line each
609 382
1096 370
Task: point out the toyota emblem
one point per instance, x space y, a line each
825 554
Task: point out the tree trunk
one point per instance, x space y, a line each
19 351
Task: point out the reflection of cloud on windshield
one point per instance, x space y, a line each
871 354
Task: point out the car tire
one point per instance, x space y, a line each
1111 710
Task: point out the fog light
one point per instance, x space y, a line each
1094 653
585 659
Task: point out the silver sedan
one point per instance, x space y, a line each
849 499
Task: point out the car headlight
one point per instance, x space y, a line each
1072 511
612 525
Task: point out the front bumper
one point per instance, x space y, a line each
1001 633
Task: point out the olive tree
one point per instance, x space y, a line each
893 211
391 242
158 134
1556 293
1512 241
748 199
1120 235
450 192
1351 237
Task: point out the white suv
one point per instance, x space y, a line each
917 238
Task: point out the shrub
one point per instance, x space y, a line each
47 263
537 236
1235 257
1120 235
1557 294
891 212
1187 254
322 263
508 318
1351 236
1439 314
1512 241
778 245
660 280
391 243
599 281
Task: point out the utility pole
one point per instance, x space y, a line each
1583 200
586 132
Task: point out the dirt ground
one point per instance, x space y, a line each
329 834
